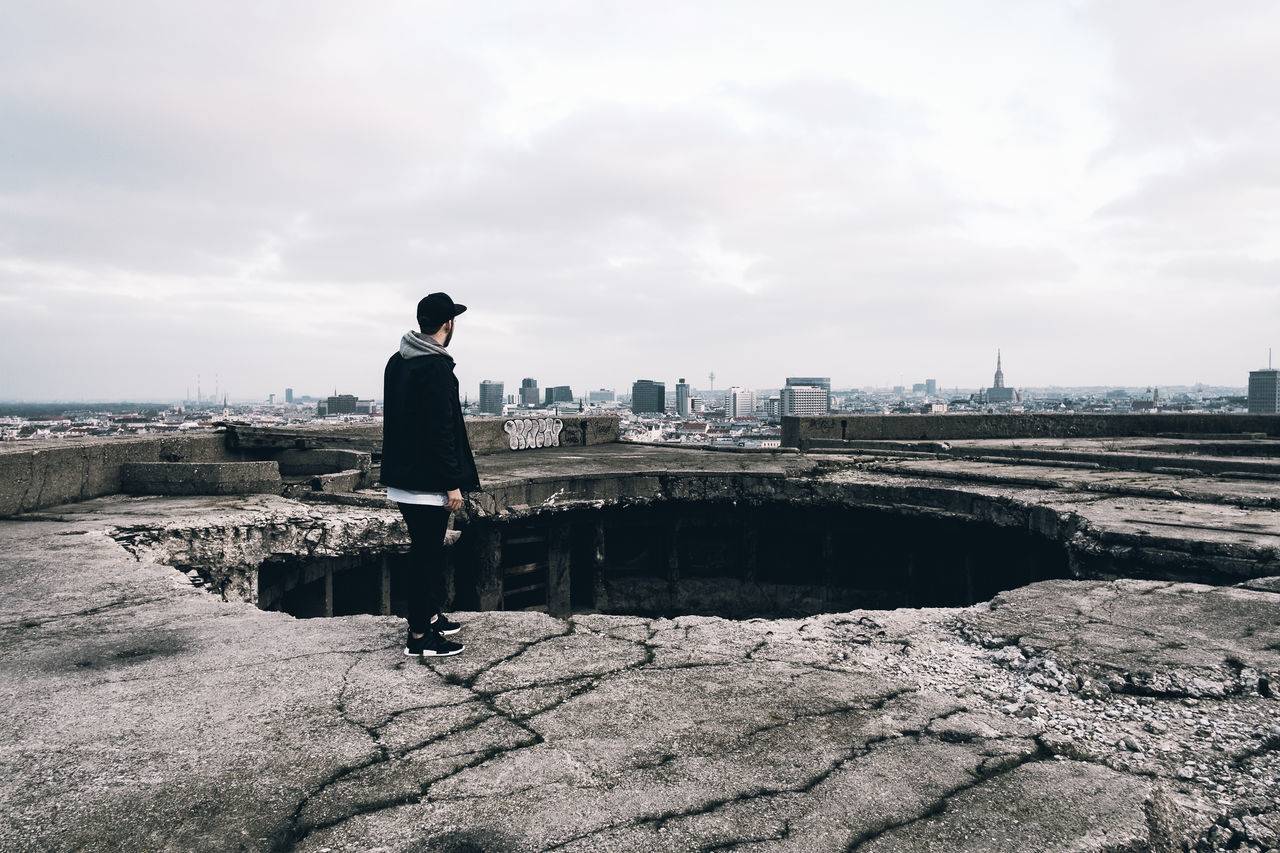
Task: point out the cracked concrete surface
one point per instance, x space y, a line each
142 714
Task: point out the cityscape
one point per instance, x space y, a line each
650 411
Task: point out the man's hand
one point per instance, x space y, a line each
455 499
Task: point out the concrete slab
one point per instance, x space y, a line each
139 713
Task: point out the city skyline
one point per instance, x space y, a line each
876 192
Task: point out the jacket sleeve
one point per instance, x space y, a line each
439 435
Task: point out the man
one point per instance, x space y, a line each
426 462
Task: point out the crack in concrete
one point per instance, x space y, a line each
240 666
939 805
118 604
658 821
784 835
875 705
296 832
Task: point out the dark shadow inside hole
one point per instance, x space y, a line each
709 558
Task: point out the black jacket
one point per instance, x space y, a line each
424 439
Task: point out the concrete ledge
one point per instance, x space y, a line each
322 461
340 481
200 478
47 473
487 435
799 431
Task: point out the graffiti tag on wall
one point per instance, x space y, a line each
526 433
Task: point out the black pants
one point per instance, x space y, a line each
427 525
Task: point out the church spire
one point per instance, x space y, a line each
999 383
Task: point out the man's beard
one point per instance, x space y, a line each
448 337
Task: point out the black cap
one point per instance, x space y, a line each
436 309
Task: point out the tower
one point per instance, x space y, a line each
998 393
491 398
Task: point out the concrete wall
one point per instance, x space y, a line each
39 474
487 435
201 478
48 473
800 431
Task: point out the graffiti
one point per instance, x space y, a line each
526 433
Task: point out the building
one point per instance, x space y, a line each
528 392
804 399
823 382
1264 392
288 395
773 408
604 395
491 397
342 404
997 393
697 406
366 407
739 402
648 396
682 398
559 394
931 387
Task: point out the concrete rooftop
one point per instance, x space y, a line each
141 713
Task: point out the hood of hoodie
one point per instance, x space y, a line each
414 345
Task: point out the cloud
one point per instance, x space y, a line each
264 190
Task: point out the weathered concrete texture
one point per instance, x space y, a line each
486 435
200 478
798 431
1225 530
321 460
1143 638
137 713
226 542
47 473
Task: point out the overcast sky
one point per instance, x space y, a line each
878 192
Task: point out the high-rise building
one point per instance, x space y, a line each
604 395
804 399
491 397
342 404
288 395
1264 392
739 402
648 396
682 397
559 394
528 392
773 408
931 387
823 382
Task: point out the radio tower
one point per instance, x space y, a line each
711 377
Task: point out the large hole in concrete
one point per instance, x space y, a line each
732 560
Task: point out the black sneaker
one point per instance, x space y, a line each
444 626
430 645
